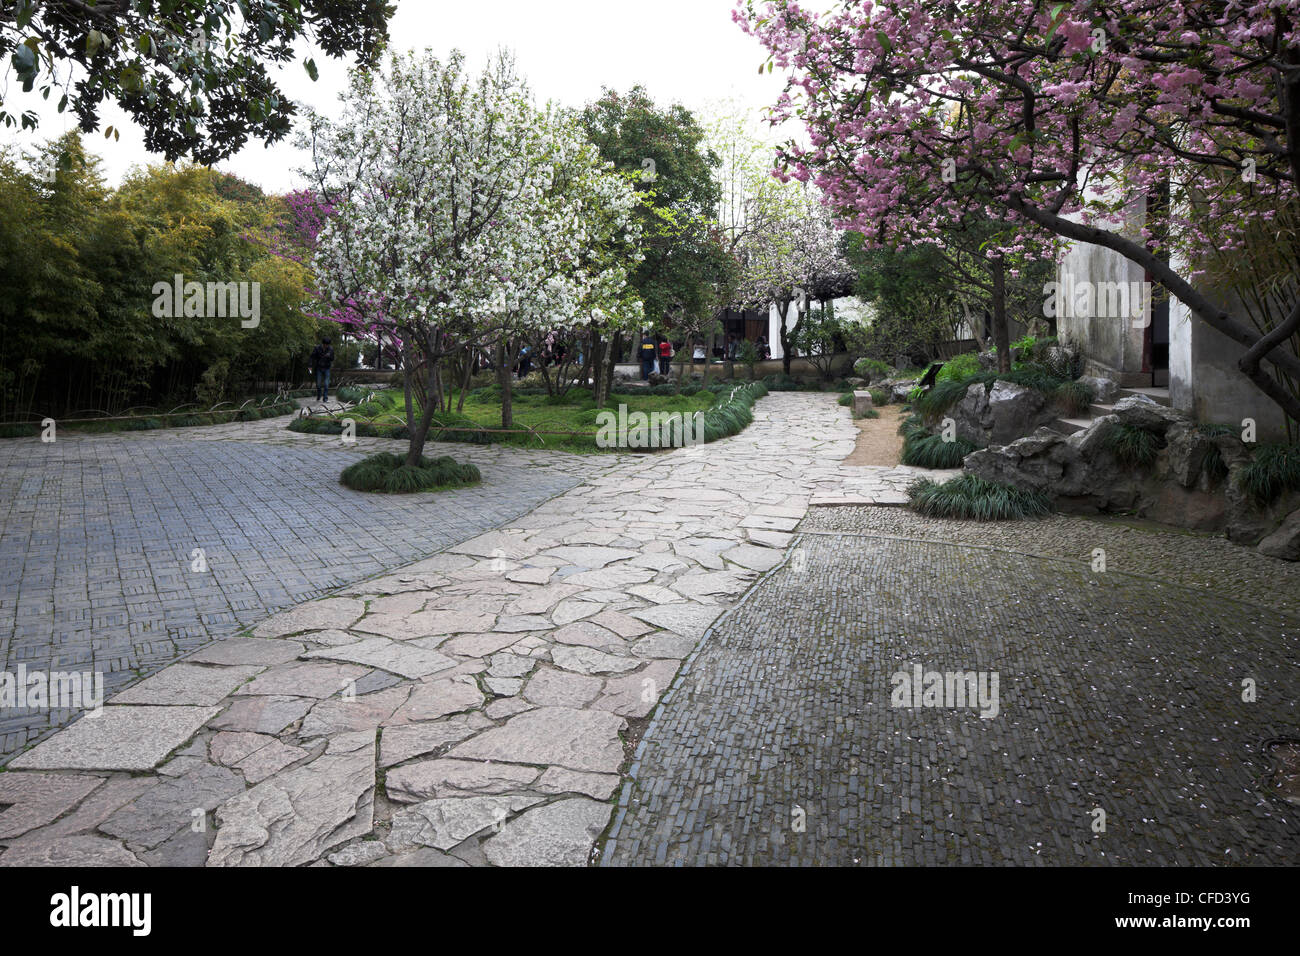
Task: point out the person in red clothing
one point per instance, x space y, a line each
665 356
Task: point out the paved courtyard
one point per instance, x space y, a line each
1118 692
98 533
499 702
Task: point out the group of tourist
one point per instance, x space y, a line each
656 350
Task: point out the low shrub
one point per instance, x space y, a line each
879 396
1273 470
388 473
972 498
870 413
846 399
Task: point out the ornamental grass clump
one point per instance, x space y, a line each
388 473
975 499
1132 446
1274 470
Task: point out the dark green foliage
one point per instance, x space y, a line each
1274 470
207 105
870 368
870 413
1132 446
879 396
913 425
974 498
352 394
389 473
1073 398
1214 466
943 396
923 450
846 399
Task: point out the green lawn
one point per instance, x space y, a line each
574 412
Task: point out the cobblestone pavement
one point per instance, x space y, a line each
476 707
1118 693
97 534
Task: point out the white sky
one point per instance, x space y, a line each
688 51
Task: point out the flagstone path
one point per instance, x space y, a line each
476 707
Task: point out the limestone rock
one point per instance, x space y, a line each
587 660
577 739
556 688
318 679
169 805
120 738
313 616
297 815
405 660
263 715
187 683
1284 543
35 799
69 851
438 698
428 779
558 834
559 780
445 822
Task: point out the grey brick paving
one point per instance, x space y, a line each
96 534
1117 692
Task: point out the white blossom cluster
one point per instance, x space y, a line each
463 212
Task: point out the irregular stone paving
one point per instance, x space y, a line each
476 707
780 743
97 534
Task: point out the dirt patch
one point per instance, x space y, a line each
878 440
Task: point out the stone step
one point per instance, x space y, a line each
1158 395
1068 426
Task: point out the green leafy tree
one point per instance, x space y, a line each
196 75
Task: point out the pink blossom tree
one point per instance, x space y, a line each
924 113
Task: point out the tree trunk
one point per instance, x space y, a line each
597 359
506 358
464 382
1001 334
787 334
611 360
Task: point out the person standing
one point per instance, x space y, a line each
665 356
322 358
648 352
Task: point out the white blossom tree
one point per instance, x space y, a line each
463 213
792 259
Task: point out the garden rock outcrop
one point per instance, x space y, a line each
1191 481
1001 414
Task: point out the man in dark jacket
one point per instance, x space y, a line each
322 357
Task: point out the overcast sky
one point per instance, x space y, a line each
684 50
